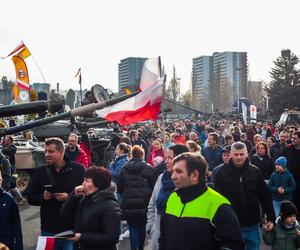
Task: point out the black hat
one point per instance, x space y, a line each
287 209
226 149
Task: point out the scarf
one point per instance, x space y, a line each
164 193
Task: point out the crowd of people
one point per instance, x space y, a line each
187 185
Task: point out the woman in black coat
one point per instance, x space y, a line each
135 187
94 211
263 160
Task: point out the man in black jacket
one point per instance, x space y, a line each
244 186
51 185
196 216
292 153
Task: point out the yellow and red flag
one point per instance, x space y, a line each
21 72
24 53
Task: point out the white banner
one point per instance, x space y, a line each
244 109
253 112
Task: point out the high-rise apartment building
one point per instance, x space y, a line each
202 78
130 70
227 81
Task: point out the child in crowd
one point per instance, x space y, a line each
285 235
282 184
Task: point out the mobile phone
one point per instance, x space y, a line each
49 188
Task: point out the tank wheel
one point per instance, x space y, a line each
23 180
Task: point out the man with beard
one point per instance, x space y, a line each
74 152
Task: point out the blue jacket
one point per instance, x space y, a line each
10 223
116 166
213 156
284 179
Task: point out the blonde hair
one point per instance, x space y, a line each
193 146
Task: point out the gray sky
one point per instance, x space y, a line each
64 35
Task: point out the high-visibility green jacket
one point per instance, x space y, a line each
198 217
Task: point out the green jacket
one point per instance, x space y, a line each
282 239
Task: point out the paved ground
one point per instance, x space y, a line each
30 217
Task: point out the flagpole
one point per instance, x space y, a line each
163 101
38 68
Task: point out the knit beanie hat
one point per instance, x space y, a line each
281 161
287 209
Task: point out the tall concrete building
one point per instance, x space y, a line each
130 70
222 77
202 78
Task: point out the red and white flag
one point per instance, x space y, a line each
16 50
143 106
45 243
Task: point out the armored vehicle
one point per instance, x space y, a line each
29 156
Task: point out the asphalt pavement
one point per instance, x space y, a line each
30 217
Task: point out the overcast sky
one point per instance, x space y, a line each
64 35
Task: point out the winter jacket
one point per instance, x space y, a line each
246 189
10 151
5 169
293 162
78 156
87 151
213 156
116 166
213 226
70 176
281 238
285 180
180 139
276 150
264 163
155 153
135 186
10 229
153 218
97 217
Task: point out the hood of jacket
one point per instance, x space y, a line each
135 166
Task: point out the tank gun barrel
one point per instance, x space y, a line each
29 108
66 115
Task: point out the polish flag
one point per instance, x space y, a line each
45 243
145 105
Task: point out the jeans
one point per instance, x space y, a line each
60 244
137 232
252 237
276 205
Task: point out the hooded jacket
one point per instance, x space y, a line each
116 166
282 238
285 180
135 186
97 217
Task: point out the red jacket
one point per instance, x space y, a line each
180 139
82 158
87 151
154 153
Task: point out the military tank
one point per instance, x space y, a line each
78 120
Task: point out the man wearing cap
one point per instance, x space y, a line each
226 156
244 186
282 184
